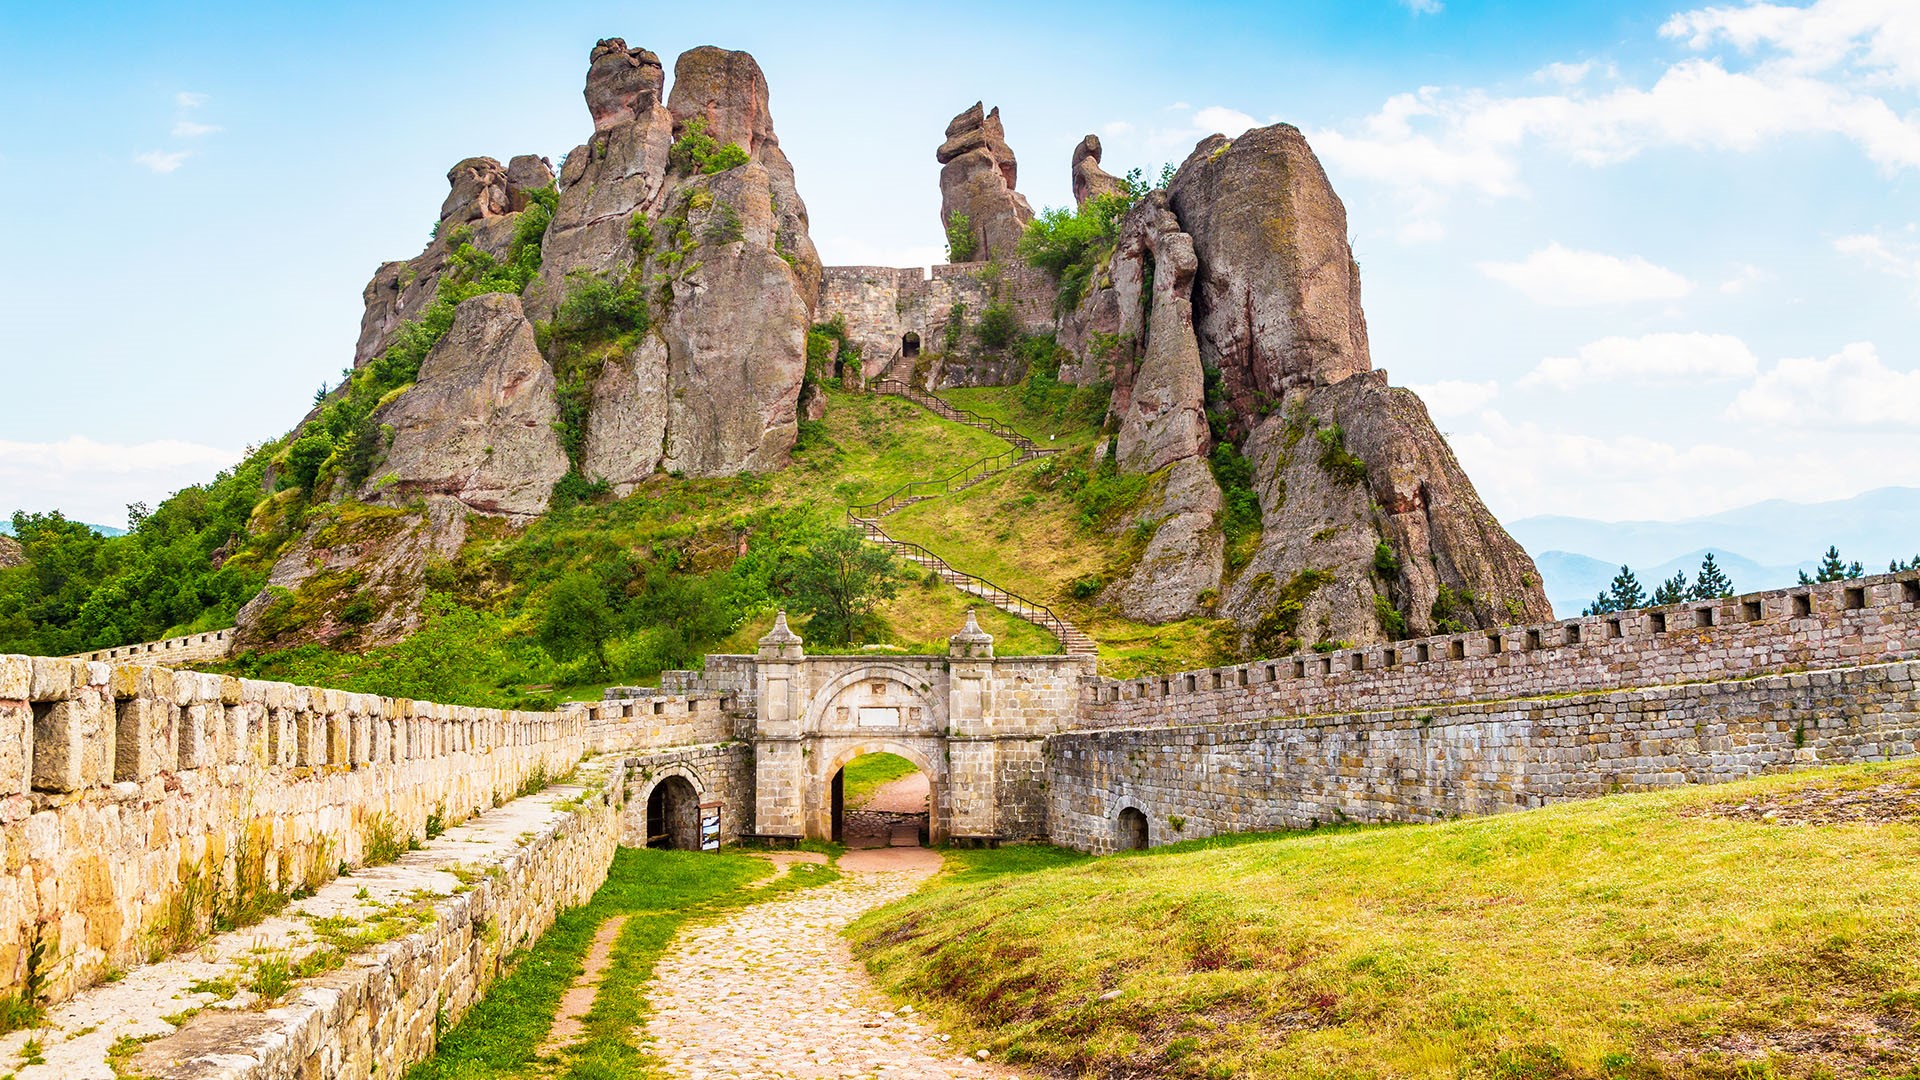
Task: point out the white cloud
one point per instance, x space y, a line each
1225 121
188 99
1566 74
1454 397
1818 71
1116 129
1653 358
1898 257
187 129
1880 38
94 481
163 161
1524 468
1564 277
1744 277
1424 7
1850 389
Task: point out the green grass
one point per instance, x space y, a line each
1621 937
658 891
1032 541
864 775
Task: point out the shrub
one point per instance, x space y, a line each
697 151
961 244
1069 244
996 328
1340 463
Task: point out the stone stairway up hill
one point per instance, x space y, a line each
867 517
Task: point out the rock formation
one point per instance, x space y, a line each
977 179
479 423
1090 181
1253 334
685 201
482 206
11 553
712 388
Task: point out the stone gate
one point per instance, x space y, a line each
974 723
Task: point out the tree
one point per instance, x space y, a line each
1671 591
1712 583
1624 594
1898 567
1832 568
578 619
837 584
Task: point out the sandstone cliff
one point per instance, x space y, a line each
1236 303
1090 181
11 554
711 388
977 177
678 226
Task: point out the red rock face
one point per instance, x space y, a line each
977 179
1278 303
1252 239
622 84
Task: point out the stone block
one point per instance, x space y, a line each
72 742
143 739
16 743
53 678
16 677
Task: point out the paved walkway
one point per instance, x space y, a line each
773 990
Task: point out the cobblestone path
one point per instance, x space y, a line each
772 990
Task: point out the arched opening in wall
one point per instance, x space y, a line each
910 345
1133 830
673 815
881 800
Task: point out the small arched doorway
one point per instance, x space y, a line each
881 800
673 815
910 345
1133 830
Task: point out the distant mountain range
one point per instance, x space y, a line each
6 529
1762 546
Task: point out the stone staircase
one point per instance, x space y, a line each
867 517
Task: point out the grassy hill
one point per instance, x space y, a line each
684 566
1768 928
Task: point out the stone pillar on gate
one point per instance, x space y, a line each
779 739
971 750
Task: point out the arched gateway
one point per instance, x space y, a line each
974 724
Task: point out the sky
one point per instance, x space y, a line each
1642 260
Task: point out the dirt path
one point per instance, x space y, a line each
907 795
578 1000
773 990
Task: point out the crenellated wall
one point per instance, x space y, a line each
1408 764
1838 624
136 801
188 648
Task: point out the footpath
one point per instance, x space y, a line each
773 990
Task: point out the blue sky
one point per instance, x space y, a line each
1642 259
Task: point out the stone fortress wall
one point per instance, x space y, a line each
1469 724
134 798
186 649
1810 626
882 305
